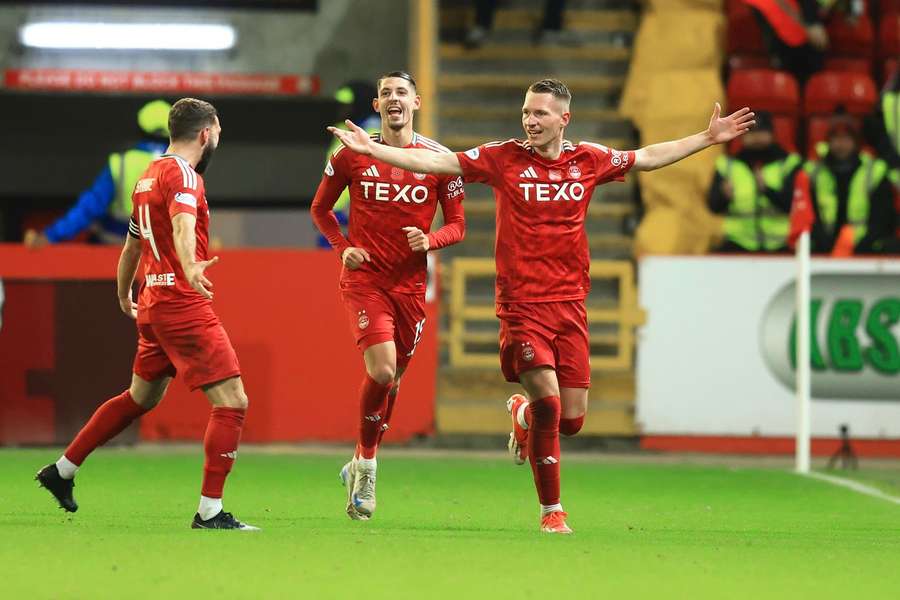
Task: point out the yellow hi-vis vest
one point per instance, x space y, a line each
126 168
890 108
867 177
752 221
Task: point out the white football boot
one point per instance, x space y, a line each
348 478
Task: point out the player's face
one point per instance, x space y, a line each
396 102
211 135
543 118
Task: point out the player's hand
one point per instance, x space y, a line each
418 241
197 278
725 129
357 138
35 239
353 258
128 306
818 36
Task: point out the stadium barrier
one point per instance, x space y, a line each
623 316
716 368
65 347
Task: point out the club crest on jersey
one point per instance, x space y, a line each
574 171
473 153
555 175
363 321
397 173
527 352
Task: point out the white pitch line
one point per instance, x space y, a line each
855 486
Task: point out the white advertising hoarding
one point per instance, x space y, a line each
715 355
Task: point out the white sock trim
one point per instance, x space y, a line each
66 467
209 507
547 509
520 416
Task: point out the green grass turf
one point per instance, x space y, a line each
446 528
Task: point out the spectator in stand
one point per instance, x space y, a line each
549 31
105 207
883 127
753 189
793 33
851 195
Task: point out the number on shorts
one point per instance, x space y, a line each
420 327
144 226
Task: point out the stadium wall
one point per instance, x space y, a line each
65 348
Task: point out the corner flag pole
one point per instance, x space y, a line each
803 351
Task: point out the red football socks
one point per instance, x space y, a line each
543 447
388 411
108 421
570 426
223 433
373 404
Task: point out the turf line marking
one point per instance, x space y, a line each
855 486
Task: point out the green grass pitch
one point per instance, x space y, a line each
456 527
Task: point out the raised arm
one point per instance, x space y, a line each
720 131
184 233
411 159
128 264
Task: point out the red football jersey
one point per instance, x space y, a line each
383 200
169 186
541 247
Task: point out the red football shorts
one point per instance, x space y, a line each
199 348
546 334
378 316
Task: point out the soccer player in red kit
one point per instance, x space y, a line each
384 263
542 187
177 328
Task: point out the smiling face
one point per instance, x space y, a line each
396 102
544 117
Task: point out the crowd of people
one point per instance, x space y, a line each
851 178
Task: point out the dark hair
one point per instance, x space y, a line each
188 117
551 86
400 74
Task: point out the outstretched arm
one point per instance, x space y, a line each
185 237
411 159
720 131
128 264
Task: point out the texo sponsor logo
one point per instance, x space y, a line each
394 192
552 192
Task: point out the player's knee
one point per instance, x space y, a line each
238 400
571 426
383 374
545 412
146 399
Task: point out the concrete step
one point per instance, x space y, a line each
520 81
531 53
583 20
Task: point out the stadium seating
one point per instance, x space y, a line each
889 36
785 134
852 64
765 89
827 91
